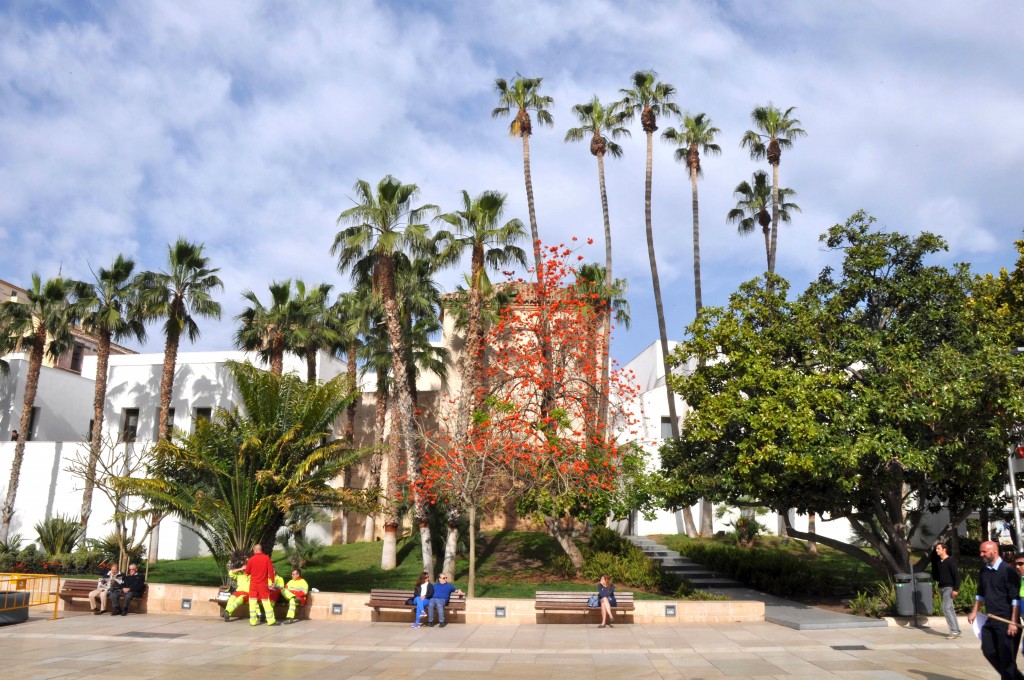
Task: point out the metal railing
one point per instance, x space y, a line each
28 590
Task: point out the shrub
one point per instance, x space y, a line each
59 535
878 603
964 601
109 550
765 570
605 540
11 546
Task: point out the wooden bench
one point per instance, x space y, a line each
383 598
552 600
79 588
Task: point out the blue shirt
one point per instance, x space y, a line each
443 591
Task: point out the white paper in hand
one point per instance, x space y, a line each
979 621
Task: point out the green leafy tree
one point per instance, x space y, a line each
237 476
753 202
181 294
775 131
42 327
876 395
265 328
648 99
114 314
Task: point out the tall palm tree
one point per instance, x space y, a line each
478 228
43 326
384 223
597 123
648 99
697 135
775 131
181 294
264 329
521 96
754 199
115 314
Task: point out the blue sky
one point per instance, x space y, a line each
244 125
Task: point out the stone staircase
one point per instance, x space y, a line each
671 561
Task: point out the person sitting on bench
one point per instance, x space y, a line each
133 586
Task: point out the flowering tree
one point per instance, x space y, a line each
538 437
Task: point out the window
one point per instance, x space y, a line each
33 425
203 413
129 425
666 428
76 358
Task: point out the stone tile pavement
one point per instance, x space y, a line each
167 646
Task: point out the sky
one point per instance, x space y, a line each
244 126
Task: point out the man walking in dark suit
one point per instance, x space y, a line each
998 590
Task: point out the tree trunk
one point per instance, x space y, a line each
167 383
775 218
451 544
572 551
389 555
35 363
691 528
311 367
812 546
606 331
426 550
96 439
353 384
471 581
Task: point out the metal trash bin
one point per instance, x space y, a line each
904 595
909 593
924 596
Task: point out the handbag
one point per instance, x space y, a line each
611 600
593 601
411 602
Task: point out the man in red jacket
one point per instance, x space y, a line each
261 573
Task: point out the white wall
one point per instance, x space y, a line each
64 401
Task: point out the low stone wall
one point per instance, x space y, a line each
167 599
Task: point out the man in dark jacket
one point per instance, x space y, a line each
947 576
998 590
133 585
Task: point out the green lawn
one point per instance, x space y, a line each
510 564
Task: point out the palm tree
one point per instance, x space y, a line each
597 123
264 329
696 135
753 201
478 229
43 326
181 294
114 314
383 224
648 99
522 96
775 131
317 329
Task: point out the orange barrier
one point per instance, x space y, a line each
28 590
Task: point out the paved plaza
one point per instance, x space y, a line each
168 646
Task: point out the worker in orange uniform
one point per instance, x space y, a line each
261 572
295 592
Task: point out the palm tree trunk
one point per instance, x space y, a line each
471 580
376 461
691 528
353 384
775 218
707 518
95 441
389 554
403 408
35 364
167 383
311 366
534 231
608 280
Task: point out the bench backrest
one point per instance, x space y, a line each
562 597
397 598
